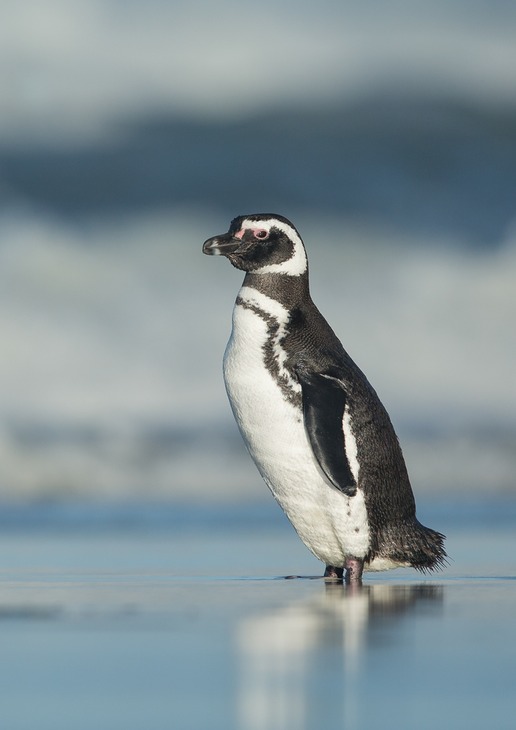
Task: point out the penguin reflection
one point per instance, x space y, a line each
281 652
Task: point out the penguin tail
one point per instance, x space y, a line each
426 548
412 544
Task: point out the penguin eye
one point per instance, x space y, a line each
261 234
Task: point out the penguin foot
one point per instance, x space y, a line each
333 574
354 568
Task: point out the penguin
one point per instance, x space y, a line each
314 426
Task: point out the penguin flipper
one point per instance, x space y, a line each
324 401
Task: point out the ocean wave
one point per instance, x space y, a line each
113 335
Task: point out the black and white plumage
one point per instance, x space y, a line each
314 426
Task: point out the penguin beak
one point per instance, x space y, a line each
221 245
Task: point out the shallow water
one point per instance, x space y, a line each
140 627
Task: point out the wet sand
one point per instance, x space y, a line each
199 629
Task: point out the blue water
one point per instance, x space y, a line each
387 135
195 626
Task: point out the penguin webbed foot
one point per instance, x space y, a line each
333 574
354 569
350 574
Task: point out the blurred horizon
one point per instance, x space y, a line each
132 131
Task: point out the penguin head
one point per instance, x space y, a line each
261 243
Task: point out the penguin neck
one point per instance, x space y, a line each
290 291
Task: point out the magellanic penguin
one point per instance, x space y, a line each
315 428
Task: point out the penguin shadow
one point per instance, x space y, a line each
285 652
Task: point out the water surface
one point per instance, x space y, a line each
196 627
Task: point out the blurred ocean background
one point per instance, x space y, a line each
131 131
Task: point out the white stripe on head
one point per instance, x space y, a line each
297 264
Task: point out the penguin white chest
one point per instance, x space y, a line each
266 402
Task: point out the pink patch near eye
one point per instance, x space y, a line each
239 234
